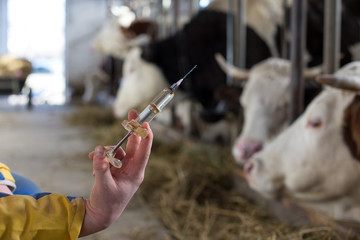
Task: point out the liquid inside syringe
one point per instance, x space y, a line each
135 126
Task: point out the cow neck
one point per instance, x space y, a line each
351 129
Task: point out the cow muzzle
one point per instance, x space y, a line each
243 150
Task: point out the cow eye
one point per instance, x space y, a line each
314 123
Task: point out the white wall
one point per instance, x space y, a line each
3 27
84 19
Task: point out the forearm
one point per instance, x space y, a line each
94 221
97 219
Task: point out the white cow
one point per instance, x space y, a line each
110 40
115 39
141 82
317 159
265 100
258 13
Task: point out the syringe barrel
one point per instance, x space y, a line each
156 105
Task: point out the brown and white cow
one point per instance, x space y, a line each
265 101
114 41
317 159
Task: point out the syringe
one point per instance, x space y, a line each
135 126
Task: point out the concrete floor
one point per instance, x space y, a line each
40 145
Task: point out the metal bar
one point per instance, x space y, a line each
162 20
285 32
332 31
241 34
176 11
230 39
298 36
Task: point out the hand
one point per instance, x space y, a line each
5 189
114 187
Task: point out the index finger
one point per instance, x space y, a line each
143 153
133 141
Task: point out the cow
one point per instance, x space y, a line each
141 82
105 79
316 160
194 44
265 100
137 87
257 129
266 19
199 40
203 36
113 41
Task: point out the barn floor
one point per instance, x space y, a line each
41 146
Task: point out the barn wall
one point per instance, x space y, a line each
84 18
3 27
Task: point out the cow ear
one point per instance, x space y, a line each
230 69
351 130
351 83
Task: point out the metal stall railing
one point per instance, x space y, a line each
298 37
331 58
332 31
230 39
236 33
285 32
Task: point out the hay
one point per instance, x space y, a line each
191 192
105 128
91 116
189 186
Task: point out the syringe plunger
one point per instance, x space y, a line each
148 114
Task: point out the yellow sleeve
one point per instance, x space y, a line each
41 216
6 177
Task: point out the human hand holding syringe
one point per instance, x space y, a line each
135 126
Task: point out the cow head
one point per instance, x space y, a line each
141 82
122 32
110 40
316 159
351 127
264 100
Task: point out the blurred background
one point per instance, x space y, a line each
101 58
57 38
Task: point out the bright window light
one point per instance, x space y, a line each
36 31
204 3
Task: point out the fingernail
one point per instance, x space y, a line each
99 152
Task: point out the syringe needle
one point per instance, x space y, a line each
189 72
177 84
